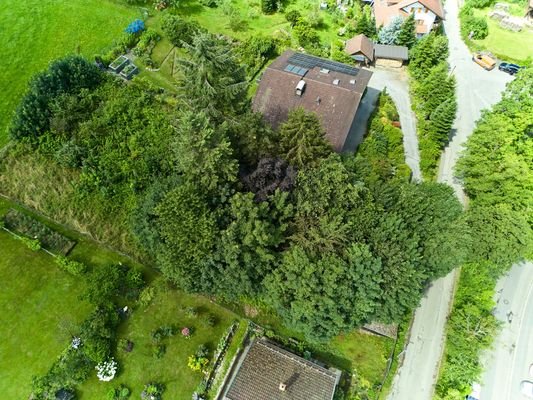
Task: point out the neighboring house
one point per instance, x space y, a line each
268 372
330 89
427 13
363 50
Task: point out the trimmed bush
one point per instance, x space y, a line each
72 267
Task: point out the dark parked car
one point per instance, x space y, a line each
509 68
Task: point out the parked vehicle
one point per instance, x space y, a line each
476 392
526 388
484 60
511 69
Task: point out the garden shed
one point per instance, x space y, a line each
361 49
390 56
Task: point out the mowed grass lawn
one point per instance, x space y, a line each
140 366
39 307
34 32
506 44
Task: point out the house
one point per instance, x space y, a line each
328 88
268 372
363 50
427 13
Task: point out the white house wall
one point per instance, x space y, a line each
421 13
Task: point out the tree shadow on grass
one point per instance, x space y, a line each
190 7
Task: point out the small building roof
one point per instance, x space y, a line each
360 44
391 52
269 372
332 90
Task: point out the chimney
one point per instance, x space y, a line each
282 387
300 87
318 99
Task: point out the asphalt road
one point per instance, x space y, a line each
477 89
512 353
396 83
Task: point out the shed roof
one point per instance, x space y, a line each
266 366
391 52
360 44
332 90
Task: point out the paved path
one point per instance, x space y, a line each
396 83
512 354
476 89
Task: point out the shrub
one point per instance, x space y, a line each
32 244
106 371
269 6
255 51
152 391
209 3
159 351
210 320
305 34
148 40
147 295
476 26
191 312
314 19
134 27
72 267
198 361
178 30
68 75
293 16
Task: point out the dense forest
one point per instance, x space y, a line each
223 205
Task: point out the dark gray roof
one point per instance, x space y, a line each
266 366
391 52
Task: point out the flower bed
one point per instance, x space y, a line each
218 357
33 229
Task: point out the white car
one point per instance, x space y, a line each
526 388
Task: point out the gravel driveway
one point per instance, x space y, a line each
396 83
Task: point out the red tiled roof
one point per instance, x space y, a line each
266 366
385 10
334 103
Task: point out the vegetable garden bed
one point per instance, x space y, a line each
29 227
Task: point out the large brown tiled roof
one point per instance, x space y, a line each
334 96
362 44
266 366
385 10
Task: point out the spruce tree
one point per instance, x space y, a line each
442 119
302 139
389 34
407 34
